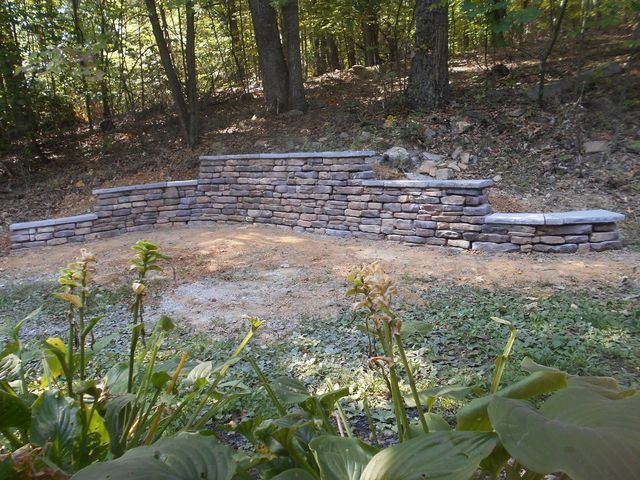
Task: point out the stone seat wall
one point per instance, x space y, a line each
332 193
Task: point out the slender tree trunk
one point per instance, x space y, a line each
351 49
549 49
106 125
236 44
495 20
370 31
75 7
192 81
174 82
275 76
17 96
333 56
319 56
291 28
429 76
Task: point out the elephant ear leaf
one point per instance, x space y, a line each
437 455
183 457
578 431
341 458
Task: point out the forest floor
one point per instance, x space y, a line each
536 155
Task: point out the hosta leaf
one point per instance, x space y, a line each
186 456
341 458
436 456
294 474
473 416
201 371
290 391
14 412
54 421
9 367
577 431
115 381
115 419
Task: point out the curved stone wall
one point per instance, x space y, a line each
333 193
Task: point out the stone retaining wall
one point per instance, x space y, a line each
334 193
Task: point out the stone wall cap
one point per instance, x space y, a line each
515 218
259 156
183 183
53 221
582 216
556 218
473 184
146 186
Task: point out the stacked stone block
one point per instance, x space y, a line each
140 208
565 232
51 232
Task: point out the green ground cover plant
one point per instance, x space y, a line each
376 392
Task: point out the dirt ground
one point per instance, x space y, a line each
230 271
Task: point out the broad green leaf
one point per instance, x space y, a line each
54 353
436 423
290 391
294 474
473 416
427 396
201 371
186 456
115 381
9 367
577 431
54 421
341 458
436 456
115 419
14 412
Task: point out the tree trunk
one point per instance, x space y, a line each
275 76
429 76
319 56
495 20
351 49
333 57
291 28
192 79
370 30
236 44
547 53
165 56
75 7
17 96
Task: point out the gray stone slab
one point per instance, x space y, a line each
515 218
183 183
428 183
129 188
582 216
53 221
258 156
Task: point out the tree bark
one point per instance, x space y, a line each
165 57
192 81
275 76
236 44
429 76
547 53
291 29
370 30
333 56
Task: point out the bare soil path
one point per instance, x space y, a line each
281 275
